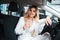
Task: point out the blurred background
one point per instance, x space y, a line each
12 10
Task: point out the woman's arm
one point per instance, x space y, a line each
48 21
19 26
41 25
42 22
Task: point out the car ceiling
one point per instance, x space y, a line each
25 2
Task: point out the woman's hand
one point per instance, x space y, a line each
26 26
48 20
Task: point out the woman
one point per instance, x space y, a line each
29 26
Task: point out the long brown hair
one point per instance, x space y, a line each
36 17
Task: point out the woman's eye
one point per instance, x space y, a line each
34 11
30 10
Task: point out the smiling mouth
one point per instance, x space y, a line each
31 14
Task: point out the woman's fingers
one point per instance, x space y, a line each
48 21
26 26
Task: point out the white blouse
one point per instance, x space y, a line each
27 33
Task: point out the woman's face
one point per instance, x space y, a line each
32 12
